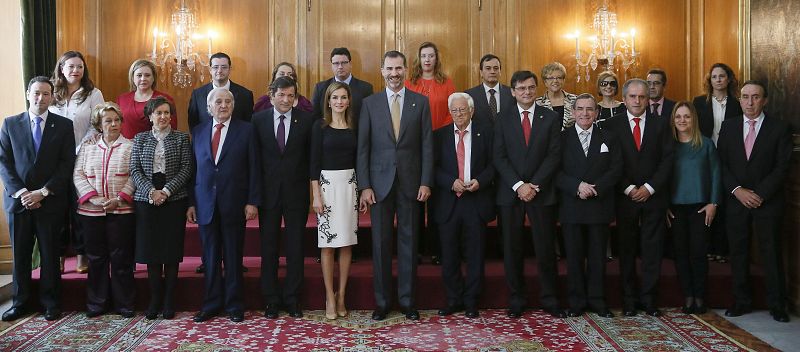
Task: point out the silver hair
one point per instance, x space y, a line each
213 93
633 81
461 95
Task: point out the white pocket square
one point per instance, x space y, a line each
603 148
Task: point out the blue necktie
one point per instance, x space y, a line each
37 133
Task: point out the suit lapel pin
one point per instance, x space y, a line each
295 121
413 104
477 134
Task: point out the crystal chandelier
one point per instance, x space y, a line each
609 49
178 57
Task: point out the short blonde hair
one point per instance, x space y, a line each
551 67
602 77
99 110
139 64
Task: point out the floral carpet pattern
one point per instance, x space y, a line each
493 331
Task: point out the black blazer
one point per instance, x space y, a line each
21 167
602 169
767 168
360 90
446 171
652 164
705 112
284 175
536 163
198 107
666 110
482 111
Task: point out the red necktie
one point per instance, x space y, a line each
526 126
460 155
637 133
215 141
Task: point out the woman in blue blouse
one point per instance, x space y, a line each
696 191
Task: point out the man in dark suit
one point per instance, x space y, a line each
395 175
224 196
527 149
220 67
491 98
463 201
37 152
647 153
591 164
284 135
342 66
755 151
660 106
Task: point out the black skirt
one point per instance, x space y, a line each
160 231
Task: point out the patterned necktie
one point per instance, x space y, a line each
37 133
460 155
215 141
526 126
492 104
637 133
395 111
280 136
750 139
585 142
655 110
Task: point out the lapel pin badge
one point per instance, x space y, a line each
413 104
295 121
478 134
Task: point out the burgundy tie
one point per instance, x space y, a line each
460 155
281 134
526 126
215 141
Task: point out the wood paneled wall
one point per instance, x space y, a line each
683 37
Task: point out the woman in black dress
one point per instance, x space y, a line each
608 86
161 167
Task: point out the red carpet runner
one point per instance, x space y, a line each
493 331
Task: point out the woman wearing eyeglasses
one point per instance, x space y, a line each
608 86
555 98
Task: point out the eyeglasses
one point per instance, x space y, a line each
523 89
608 83
220 67
654 83
459 111
340 63
559 78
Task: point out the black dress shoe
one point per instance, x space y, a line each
168 314
294 311
450 310
779 315
126 313
605 313
411 314
629 312
700 309
555 312
13 314
574 313
688 309
200 269
653 312
379 314
52 314
435 260
202 316
737 310
471 312
151 314
236 316
271 311
94 313
514 312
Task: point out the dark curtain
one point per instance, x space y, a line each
38 38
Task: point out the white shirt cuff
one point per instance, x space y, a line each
649 188
629 189
732 192
517 185
19 193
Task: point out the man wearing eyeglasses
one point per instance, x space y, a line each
220 67
527 150
342 66
657 83
490 97
463 201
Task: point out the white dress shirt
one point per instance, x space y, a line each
718 110
346 81
588 138
80 114
287 124
390 96
522 118
467 150
496 94
746 125
642 123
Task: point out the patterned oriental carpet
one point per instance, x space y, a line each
493 331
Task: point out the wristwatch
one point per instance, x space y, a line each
44 191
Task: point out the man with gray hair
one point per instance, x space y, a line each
643 195
591 164
463 199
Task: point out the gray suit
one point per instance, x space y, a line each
395 169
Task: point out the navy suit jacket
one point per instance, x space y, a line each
536 163
482 112
481 169
358 88
233 181
198 107
602 169
21 167
284 176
